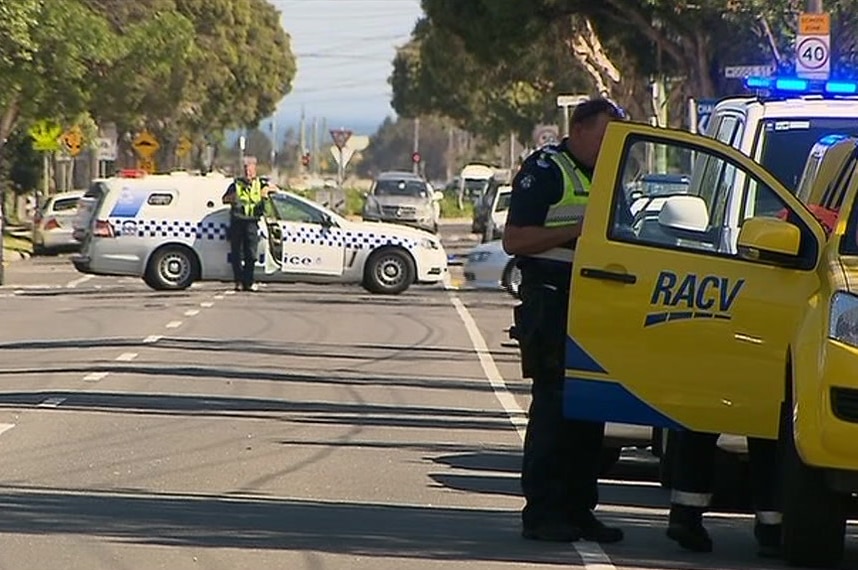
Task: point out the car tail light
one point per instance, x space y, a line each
103 228
51 224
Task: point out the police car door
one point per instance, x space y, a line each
311 244
667 328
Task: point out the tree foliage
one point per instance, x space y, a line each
615 47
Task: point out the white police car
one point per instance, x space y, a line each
172 230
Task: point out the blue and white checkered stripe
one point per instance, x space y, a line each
336 237
170 229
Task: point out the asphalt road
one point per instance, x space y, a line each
305 427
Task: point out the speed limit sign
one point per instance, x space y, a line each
813 47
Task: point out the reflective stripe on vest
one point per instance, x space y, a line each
769 517
570 209
688 499
249 197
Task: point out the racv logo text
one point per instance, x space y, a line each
676 298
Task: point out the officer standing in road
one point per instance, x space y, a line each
693 472
561 456
246 195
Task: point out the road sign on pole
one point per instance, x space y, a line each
342 156
340 137
700 111
146 145
742 71
813 46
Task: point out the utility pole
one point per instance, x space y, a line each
416 149
302 143
314 145
274 149
450 152
814 6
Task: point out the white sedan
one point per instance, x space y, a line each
488 266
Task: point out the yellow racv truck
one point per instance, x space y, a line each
731 307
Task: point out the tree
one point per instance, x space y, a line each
51 52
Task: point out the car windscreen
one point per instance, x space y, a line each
787 144
414 188
67 205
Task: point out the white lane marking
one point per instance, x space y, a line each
230 292
126 356
218 297
152 339
174 324
448 282
95 376
192 312
52 402
79 281
592 555
6 427
207 304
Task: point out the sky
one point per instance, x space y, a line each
344 50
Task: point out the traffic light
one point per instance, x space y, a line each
305 159
415 157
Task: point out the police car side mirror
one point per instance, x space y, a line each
327 222
769 240
684 215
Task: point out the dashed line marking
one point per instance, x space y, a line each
174 324
218 297
126 356
95 376
79 281
51 402
152 339
230 292
207 304
192 312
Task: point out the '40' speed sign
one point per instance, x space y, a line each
813 56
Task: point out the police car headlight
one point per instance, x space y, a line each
843 326
429 243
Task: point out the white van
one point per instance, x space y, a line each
172 230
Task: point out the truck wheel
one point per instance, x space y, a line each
171 268
388 271
814 516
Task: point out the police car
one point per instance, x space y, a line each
734 310
172 230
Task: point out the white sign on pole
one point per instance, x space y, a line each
813 46
347 154
570 100
741 71
704 109
106 149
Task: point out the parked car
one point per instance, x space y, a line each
497 213
485 203
53 224
488 266
403 198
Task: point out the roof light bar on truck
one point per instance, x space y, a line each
800 86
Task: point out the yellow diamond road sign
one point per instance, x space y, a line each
46 136
72 140
145 144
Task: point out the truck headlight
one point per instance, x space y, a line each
843 325
429 243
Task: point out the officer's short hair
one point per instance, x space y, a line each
587 111
249 160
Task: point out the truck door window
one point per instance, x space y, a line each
696 226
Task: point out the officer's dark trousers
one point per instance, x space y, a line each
694 469
244 240
561 457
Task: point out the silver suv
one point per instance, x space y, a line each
403 198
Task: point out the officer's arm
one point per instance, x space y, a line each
530 240
534 190
229 195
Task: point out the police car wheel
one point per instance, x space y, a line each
389 271
511 278
171 268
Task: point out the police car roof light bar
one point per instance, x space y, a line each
799 86
132 173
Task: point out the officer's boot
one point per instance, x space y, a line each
768 539
685 526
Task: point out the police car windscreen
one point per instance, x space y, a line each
787 143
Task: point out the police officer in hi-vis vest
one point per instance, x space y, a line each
561 456
246 195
